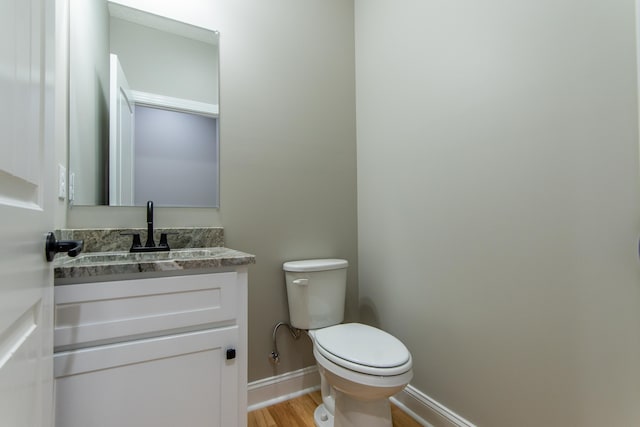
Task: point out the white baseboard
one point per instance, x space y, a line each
419 406
272 390
427 411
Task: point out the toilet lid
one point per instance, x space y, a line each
362 345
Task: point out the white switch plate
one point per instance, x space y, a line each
72 186
62 182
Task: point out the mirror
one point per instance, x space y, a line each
143 108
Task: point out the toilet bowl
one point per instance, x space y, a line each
360 366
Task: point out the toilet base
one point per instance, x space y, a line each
322 417
355 413
352 412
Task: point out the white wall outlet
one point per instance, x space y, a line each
62 182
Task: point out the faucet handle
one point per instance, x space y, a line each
164 243
136 238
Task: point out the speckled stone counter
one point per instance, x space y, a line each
106 255
91 265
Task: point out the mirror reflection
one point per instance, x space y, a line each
143 119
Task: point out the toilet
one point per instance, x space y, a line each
360 366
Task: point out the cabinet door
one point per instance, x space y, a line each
177 380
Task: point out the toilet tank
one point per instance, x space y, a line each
316 291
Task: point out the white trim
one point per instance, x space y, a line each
179 104
272 390
427 411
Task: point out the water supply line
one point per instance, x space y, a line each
274 357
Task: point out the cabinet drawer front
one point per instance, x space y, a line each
109 311
169 381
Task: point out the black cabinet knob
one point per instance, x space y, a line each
231 353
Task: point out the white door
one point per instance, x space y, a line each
26 172
121 154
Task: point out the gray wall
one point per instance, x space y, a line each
166 64
89 98
287 141
498 203
176 158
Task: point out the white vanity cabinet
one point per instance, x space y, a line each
160 351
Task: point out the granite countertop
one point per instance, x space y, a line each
94 264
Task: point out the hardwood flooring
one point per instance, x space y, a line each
298 412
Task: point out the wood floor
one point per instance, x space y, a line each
298 412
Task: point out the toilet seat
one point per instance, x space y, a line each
364 349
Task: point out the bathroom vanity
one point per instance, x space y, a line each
151 339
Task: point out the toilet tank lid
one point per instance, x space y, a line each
315 265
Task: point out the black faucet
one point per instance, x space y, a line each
150 245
